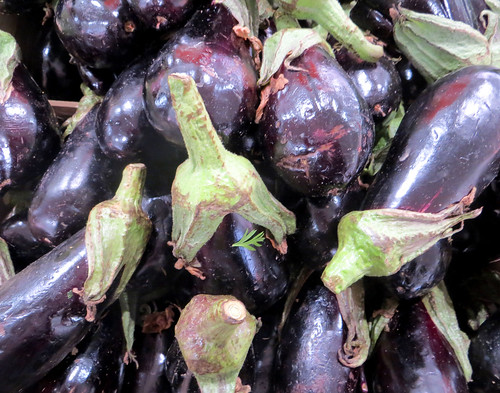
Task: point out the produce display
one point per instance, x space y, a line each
233 196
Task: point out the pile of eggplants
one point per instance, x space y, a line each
307 126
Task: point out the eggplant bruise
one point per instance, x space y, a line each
447 145
28 132
317 131
414 357
222 68
310 341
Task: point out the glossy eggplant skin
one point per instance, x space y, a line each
162 15
125 134
484 355
99 34
28 132
307 359
41 319
207 50
98 80
79 177
150 377
379 83
414 357
24 248
317 132
257 278
447 144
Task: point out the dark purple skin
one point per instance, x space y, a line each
80 177
374 15
125 134
100 33
414 357
317 131
24 248
150 377
315 241
20 6
98 80
455 150
220 63
412 81
28 132
379 83
484 355
183 381
162 15
57 76
307 360
257 278
97 366
41 319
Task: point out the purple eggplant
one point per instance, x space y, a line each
80 177
23 246
28 126
125 134
220 63
42 320
98 34
162 15
412 356
317 131
150 376
97 366
379 83
484 355
441 151
309 346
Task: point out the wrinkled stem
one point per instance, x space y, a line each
202 142
6 265
130 190
10 57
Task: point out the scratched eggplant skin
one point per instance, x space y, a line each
307 358
317 132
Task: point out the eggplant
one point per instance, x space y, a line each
307 359
379 83
99 34
150 376
28 130
441 152
258 277
208 50
317 132
42 320
412 356
412 81
23 246
162 15
125 134
484 355
98 364
79 177
98 80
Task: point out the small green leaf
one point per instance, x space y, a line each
249 240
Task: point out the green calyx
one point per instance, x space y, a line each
331 16
378 242
440 308
116 235
214 182
87 102
286 45
214 335
10 57
437 46
6 265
